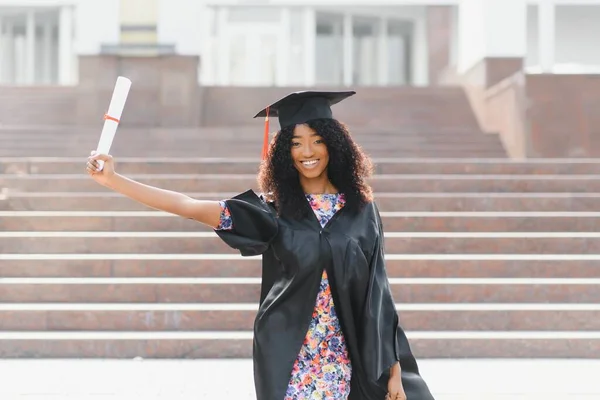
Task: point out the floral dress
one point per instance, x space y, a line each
322 369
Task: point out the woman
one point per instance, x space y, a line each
327 326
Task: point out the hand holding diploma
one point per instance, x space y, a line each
104 175
113 117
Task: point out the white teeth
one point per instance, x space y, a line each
309 163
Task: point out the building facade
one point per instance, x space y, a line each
296 43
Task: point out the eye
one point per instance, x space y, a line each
295 144
319 141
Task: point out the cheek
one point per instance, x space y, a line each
295 153
324 153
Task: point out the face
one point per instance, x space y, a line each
309 153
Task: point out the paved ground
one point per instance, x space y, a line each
232 379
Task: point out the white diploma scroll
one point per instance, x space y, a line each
113 117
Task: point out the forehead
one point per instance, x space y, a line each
302 130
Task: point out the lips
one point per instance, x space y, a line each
309 164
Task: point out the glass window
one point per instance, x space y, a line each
365 49
329 48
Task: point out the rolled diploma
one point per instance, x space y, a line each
115 110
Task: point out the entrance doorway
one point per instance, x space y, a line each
308 46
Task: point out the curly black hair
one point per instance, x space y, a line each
348 169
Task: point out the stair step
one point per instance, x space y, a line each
82 318
197 266
387 201
247 290
380 183
120 345
399 221
21 166
20 242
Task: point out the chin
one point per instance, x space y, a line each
307 173
311 174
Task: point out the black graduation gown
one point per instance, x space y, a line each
350 248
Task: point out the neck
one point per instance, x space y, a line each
320 185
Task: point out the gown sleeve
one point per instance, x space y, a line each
385 342
225 222
247 224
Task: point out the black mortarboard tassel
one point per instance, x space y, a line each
299 108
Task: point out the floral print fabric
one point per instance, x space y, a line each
322 369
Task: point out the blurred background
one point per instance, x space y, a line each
481 117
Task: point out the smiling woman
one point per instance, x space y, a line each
310 156
313 153
327 325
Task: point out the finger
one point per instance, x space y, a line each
92 166
103 157
93 152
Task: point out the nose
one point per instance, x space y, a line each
307 150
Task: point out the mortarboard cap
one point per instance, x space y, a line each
299 108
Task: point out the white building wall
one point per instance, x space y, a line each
490 28
491 31
182 22
577 36
96 21
471 41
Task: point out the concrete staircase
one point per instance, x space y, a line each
486 258
387 122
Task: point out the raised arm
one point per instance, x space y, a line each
204 211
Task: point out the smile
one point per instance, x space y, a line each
309 164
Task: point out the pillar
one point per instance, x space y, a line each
348 36
310 38
3 52
9 50
284 48
66 49
546 35
419 54
30 61
490 29
382 54
223 46
47 47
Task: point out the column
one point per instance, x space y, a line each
208 47
348 36
546 35
419 54
407 59
30 61
310 38
66 47
491 28
3 51
454 40
382 54
9 50
284 48
223 46
47 58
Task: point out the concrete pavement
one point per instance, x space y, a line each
232 379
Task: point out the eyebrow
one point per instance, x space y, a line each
300 137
